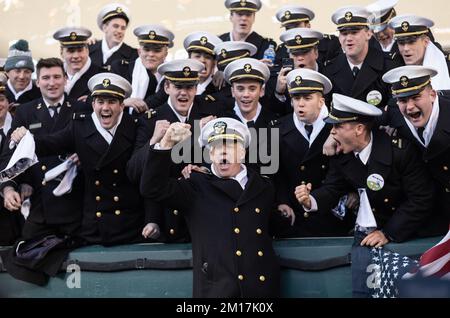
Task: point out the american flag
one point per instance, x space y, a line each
436 261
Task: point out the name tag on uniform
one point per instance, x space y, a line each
35 126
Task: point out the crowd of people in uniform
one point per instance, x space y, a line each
362 124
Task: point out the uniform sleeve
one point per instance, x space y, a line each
418 188
157 185
60 142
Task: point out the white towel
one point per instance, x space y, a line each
25 208
140 80
435 59
65 186
365 215
108 52
23 158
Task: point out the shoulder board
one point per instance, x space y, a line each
210 98
79 116
274 123
399 143
124 62
151 113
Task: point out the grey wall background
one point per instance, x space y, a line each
37 20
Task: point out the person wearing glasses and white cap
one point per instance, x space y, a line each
154 43
302 135
113 211
181 80
357 73
113 20
228 211
416 47
201 47
395 189
77 63
423 117
242 16
296 16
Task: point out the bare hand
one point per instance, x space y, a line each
375 239
219 80
12 201
302 194
267 62
206 120
138 104
91 41
176 133
151 230
330 147
74 158
282 80
186 172
25 191
161 127
18 134
82 99
287 212
352 202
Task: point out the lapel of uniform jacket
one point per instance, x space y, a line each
317 146
342 68
293 138
370 72
94 140
254 187
440 141
230 187
43 115
64 116
380 160
123 140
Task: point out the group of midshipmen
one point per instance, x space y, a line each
362 125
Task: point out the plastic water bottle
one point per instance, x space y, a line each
269 54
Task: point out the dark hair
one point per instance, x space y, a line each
49 63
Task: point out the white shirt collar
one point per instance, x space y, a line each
242 118
353 65
429 128
60 101
182 119
241 177
18 94
201 87
7 124
317 125
364 155
108 135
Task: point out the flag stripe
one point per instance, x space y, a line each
437 251
436 266
444 271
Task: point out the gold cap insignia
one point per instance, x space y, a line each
187 71
404 81
152 35
224 53
298 39
203 40
106 82
243 3
247 68
348 16
405 26
73 36
220 127
298 80
287 15
119 10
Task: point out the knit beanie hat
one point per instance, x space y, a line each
19 56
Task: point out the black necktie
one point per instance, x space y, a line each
359 159
2 135
309 130
251 124
355 71
420 133
55 110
